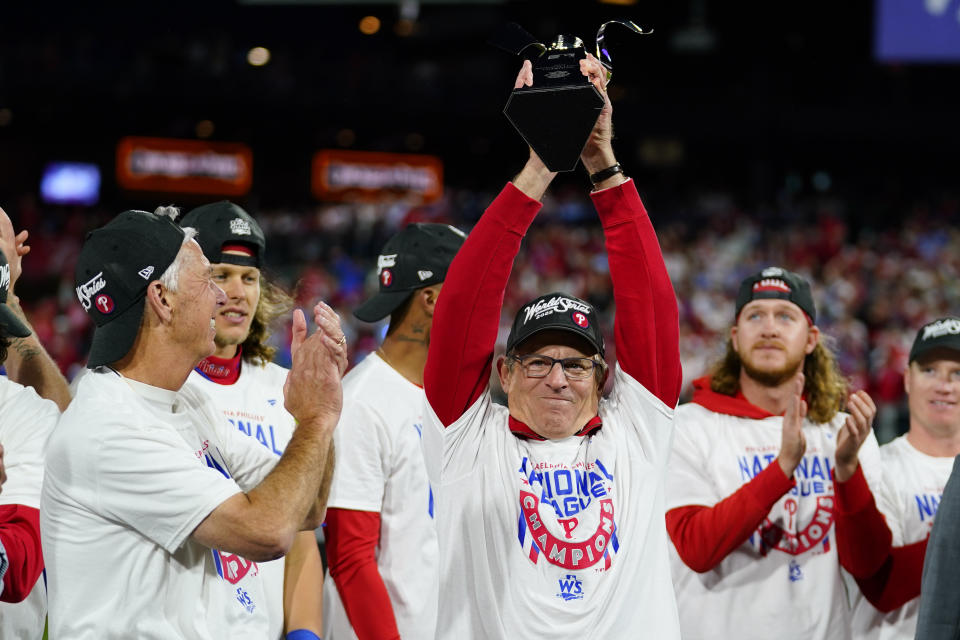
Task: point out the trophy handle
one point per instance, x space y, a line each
603 53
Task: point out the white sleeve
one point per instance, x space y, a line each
688 478
149 481
26 422
647 417
451 452
363 449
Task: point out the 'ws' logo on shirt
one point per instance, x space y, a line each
567 514
571 588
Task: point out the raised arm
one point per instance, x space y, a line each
647 325
28 363
467 315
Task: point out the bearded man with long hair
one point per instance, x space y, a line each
750 487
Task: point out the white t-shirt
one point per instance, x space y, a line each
254 406
784 581
26 422
131 471
380 468
912 485
557 538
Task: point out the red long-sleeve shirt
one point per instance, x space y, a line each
888 576
352 538
467 317
20 535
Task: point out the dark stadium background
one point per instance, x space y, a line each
769 115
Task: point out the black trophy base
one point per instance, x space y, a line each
555 121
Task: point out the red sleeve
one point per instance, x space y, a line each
704 536
898 580
888 576
647 324
20 535
351 538
864 540
467 316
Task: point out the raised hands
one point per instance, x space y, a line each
13 245
598 152
793 444
853 434
312 388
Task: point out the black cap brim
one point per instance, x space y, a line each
381 305
11 324
113 341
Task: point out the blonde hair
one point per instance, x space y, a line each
824 387
274 302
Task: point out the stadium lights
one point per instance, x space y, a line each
369 25
258 56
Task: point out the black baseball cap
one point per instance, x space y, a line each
9 322
774 282
556 311
943 333
222 226
116 263
415 257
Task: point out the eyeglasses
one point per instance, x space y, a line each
540 366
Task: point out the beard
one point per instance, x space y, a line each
225 341
772 377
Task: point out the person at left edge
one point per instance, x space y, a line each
149 496
248 389
31 396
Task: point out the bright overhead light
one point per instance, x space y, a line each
369 25
258 56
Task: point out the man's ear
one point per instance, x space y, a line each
733 337
603 381
813 337
503 371
428 299
158 301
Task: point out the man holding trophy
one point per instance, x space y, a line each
550 510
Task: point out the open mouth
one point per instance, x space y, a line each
233 316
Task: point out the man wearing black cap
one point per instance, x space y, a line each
750 495
916 467
31 395
248 389
381 540
550 510
154 509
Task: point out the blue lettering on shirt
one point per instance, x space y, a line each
568 492
927 505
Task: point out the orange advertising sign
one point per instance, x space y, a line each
184 166
367 175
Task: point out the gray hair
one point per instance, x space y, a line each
170 279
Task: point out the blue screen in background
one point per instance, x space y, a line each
917 31
70 183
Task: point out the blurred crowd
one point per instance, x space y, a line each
874 284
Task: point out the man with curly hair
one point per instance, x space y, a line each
248 388
750 487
